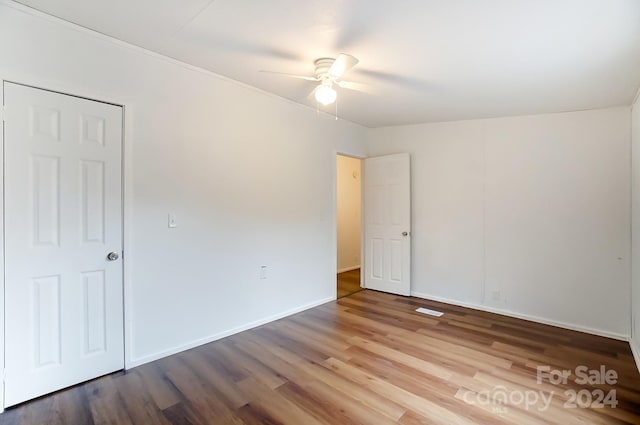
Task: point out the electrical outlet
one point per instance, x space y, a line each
263 272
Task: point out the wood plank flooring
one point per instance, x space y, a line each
366 359
348 283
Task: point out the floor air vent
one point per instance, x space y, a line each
429 312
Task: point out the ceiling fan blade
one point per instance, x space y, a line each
284 74
350 85
342 64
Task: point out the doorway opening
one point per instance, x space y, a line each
349 224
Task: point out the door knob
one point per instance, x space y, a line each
112 256
405 234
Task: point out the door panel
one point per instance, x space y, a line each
95 314
46 309
63 215
45 186
387 201
92 201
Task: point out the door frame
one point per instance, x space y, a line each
335 215
127 190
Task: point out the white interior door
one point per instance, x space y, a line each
63 216
387 216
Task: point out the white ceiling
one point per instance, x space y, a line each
428 60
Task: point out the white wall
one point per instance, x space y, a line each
527 215
635 132
250 177
348 212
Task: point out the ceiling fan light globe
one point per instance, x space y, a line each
326 95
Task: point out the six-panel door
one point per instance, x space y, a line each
387 217
63 215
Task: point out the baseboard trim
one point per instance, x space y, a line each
635 349
536 319
348 269
147 359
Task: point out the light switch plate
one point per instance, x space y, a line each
172 221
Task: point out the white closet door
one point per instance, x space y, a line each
63 237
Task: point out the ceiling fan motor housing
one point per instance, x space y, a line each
322 68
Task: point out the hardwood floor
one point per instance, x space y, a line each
366 359
348 283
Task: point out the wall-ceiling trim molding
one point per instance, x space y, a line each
121 43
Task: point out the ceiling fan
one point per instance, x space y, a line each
328 73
